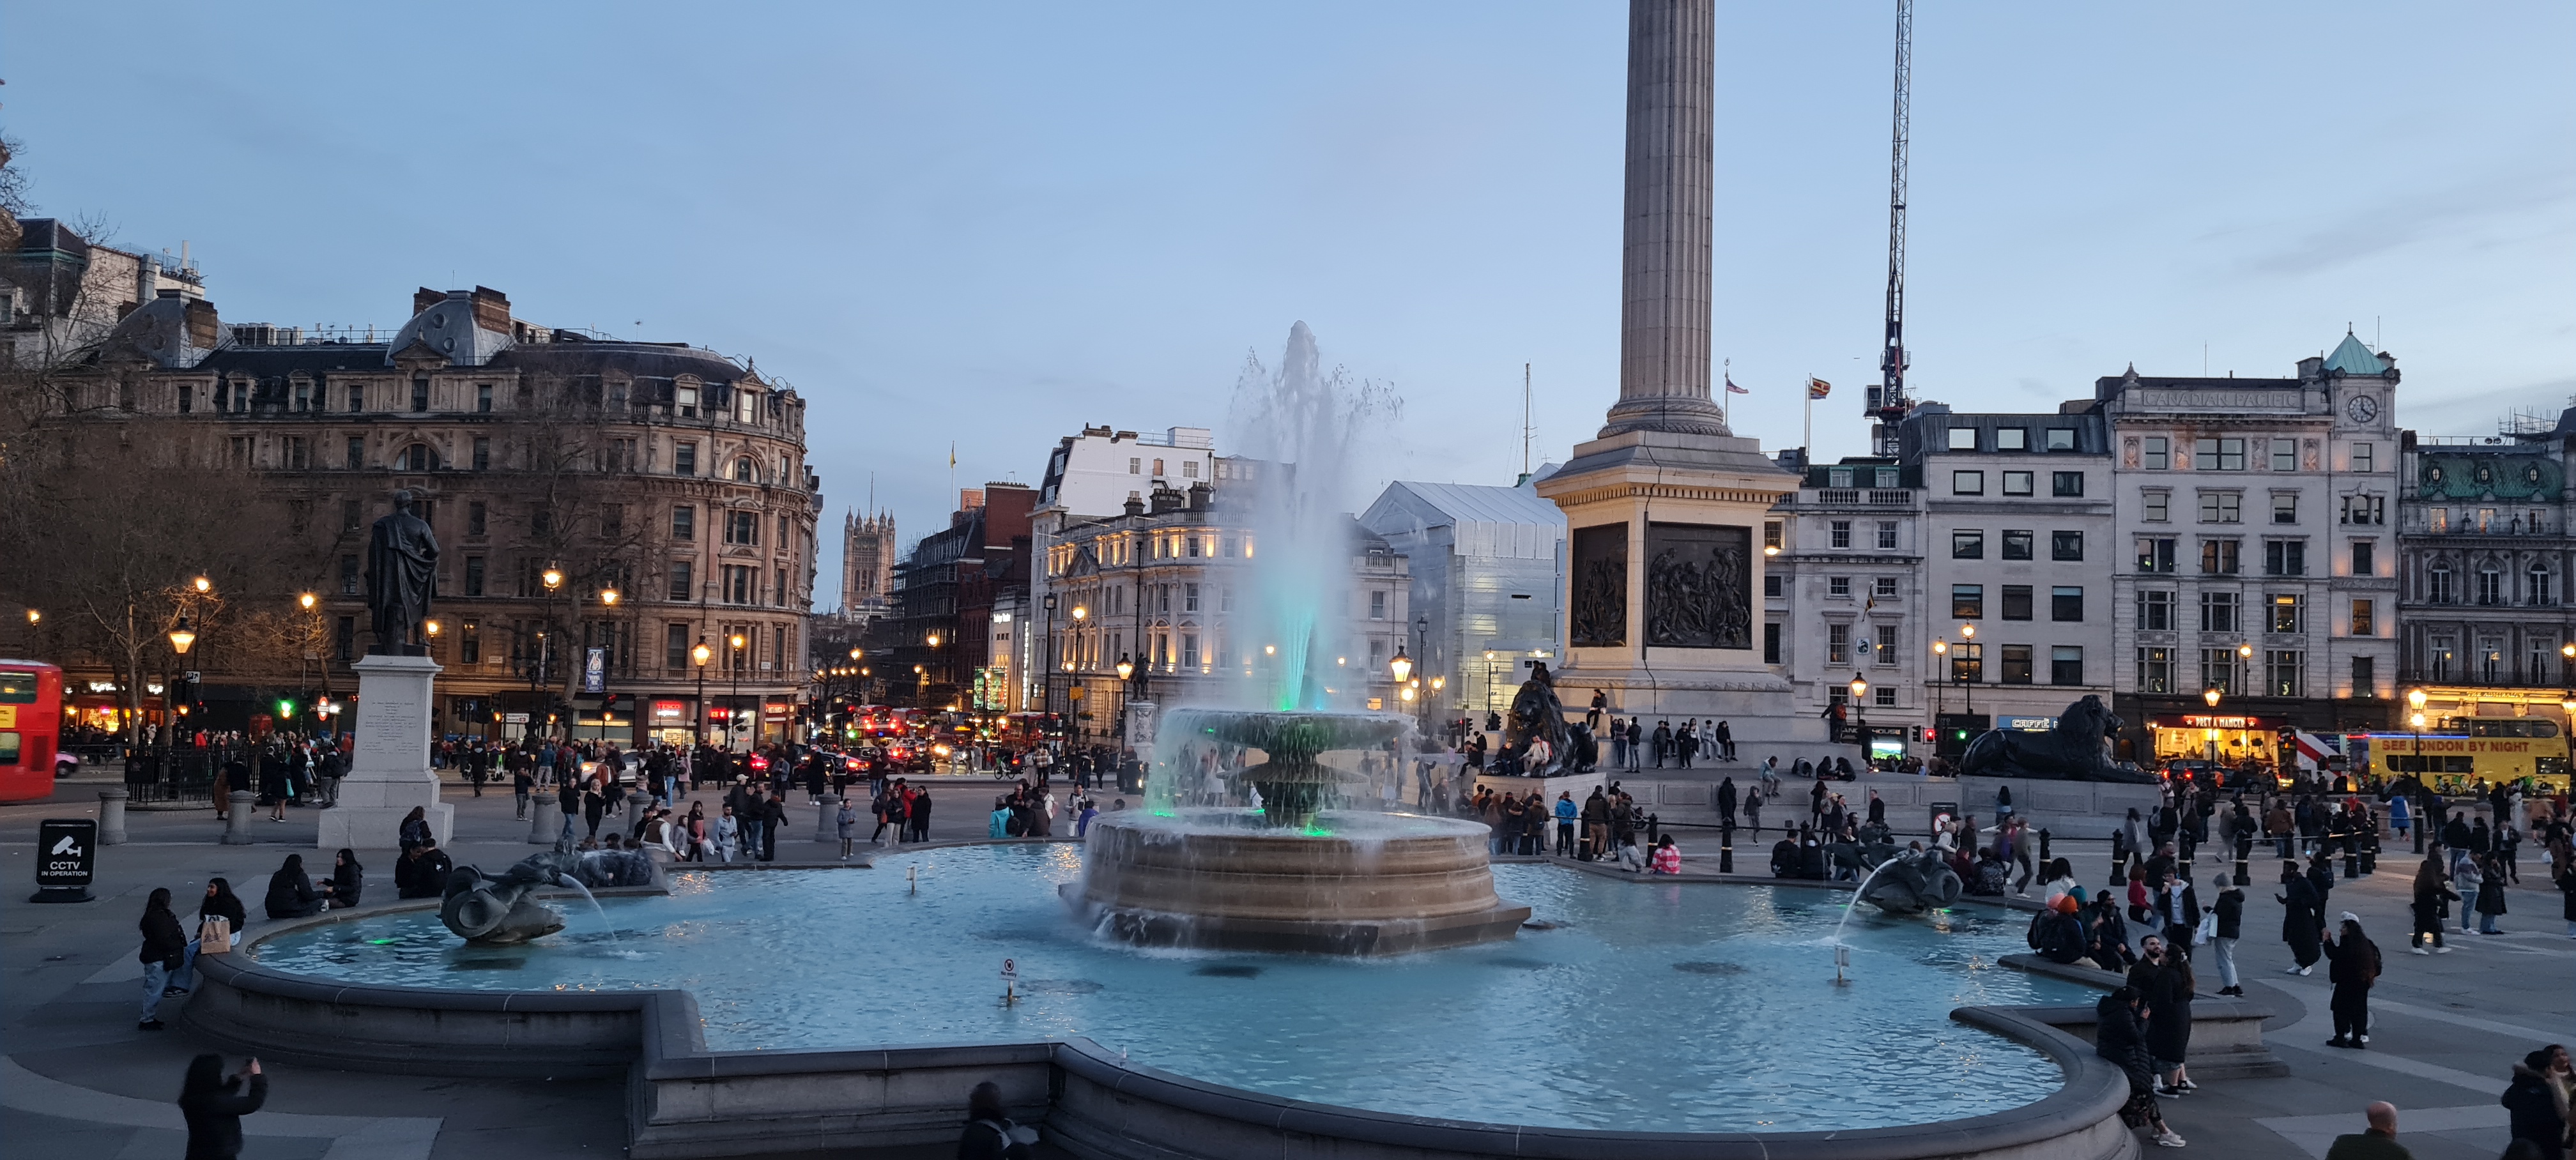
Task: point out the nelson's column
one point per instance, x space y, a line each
1665 507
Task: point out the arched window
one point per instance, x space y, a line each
742 471
2541 591
417 457
2490 584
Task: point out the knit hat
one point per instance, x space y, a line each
2065 904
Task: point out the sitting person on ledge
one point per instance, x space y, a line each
422 871
1785 858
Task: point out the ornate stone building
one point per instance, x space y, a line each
602 506
2484 553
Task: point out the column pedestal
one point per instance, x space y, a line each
389 772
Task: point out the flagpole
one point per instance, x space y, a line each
1807 442
1726 405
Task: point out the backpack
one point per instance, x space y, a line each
1014 827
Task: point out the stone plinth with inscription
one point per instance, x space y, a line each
389 770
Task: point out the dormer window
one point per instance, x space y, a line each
686 399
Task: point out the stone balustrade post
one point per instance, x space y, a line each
111 816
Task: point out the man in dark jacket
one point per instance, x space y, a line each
775 819
2120 1036
422 872
2534 1113
1726 802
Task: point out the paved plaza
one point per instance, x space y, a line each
81 1080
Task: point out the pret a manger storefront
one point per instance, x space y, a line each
2220 737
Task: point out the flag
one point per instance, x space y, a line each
952 457
1818 388
1732 389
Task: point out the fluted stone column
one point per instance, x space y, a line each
1664 268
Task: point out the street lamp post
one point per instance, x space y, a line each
181 637
733 670
698 656
1968 632
1860 721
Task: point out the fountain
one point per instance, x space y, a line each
1293 875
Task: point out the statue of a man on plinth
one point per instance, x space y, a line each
402 575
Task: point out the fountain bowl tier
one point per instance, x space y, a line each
1352 883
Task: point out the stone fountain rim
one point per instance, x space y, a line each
673 1047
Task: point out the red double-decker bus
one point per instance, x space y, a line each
31 727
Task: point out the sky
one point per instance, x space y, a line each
994 223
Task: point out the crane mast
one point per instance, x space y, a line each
1887 401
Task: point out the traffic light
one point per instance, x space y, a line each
1927 734
612 702
285 707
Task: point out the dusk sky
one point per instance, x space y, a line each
1069 214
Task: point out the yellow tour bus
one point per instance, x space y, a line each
2468 751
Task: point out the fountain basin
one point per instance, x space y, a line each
1352 883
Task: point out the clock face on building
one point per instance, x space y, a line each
2362 408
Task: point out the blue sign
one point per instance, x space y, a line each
594 671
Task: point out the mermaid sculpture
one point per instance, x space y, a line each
499 911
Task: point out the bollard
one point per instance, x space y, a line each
2119 858
111 816
1654 830
545 819
1726 848
2244 853
2370 850
2351 858
827 824
237 826
2043 847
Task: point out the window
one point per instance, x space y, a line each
612 521
541 522
1189 469
1838 477
2017 602
1837 644
482 453
1838 587
1968 545
1883 696
1771 584
2155 670
2362 454
1771 642
2437 585
2016 664
743 472
474 575
2218 669
683 583
348 575
2065 545
417 457
303 395
2066 664
2537 587
1841 532
2066 603
2287 612
2364 562
2157 507
2219 507
2218 454
2158 453
684 522
778 591
476 516
2372 509
742 528
1158 469
1190 650
1377 603
737 584
2490 585
2285 507
2017 543
346 637
1968 662
1963 438
2365 682
1135 466
745 405
348 515
420 392
685 398
2364 623
1887 535
2061 438
1967 482
2018 482
299 454
1770 533
1886 644
469 644
2218 557
2218 612
2285 455
2066 483
1967 601
2155 610
684 459
2156 554
2285 557
357 397
483 398
357 453
2283 675
1884 587
782 540
675 646
2012 439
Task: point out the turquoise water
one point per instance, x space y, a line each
1663 1007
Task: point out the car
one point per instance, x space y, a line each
66 764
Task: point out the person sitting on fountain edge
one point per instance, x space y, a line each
422 871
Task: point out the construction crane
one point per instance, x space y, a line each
1887 401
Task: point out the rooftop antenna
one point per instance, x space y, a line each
1526 429
1887 403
